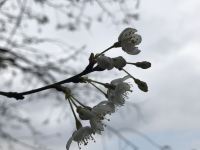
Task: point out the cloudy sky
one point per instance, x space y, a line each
169 112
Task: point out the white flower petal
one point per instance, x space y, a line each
128 40
82 134
116 99
103 108
122 88
136 39
119 80
117 95
126 77
116 81
68 143
130 48
97 125
126 33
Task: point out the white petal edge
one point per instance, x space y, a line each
68 143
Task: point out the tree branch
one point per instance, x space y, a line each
74 79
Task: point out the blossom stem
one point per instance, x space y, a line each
130 63
128 73
98 89
105 50
72 109
90 80
71 99
78 101
141 84
106 85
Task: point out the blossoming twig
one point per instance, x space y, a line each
116 91
74 79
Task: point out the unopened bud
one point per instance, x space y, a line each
105 62
141 85
119 62
143 64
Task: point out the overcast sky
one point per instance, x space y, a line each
169 112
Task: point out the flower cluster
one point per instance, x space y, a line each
116 91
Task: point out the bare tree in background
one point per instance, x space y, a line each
25 60
22 40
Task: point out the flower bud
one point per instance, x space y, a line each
141 85
105 62
119 62
143 64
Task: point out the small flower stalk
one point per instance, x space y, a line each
116 91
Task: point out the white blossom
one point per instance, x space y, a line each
101 109
136 39
96 114
81 136
130 49
118 94
128 40
126 33
105 62
104 108
97 125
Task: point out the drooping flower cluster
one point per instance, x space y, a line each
116 91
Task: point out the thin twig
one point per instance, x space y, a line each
122 137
